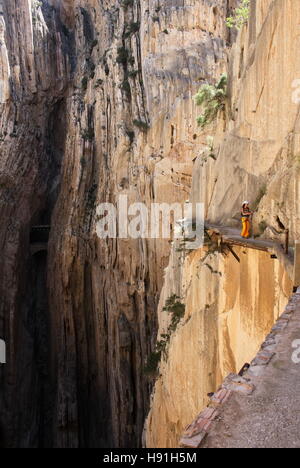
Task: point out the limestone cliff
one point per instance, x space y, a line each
259 152
230 307
95 100
35 69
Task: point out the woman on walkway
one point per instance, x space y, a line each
246 217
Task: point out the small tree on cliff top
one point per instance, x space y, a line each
240 15
212 99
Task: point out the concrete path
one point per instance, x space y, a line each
270 416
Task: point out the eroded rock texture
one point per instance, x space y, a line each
259 151
95 101
230 307
36 64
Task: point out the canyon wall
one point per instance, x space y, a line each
138 122
259 151
35 69
96 101
230 307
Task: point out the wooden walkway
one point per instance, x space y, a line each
232 237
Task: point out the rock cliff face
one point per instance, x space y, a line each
36 65
95 101
259 152
229 306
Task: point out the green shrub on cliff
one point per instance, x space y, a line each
36 4
132 28
88 134
127 3
212 99
153 361
240 15
144 126
123 55
176 309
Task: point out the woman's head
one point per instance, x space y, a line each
245 204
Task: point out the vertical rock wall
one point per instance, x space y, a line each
35 69
258 155
95 101
140 66
230 308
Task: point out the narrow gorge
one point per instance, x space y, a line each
96 101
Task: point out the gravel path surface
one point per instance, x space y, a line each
270 417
